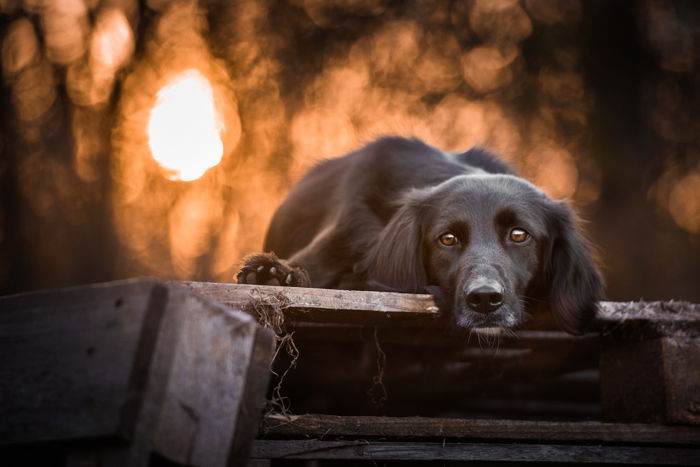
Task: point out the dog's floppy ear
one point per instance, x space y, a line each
571 278
395 261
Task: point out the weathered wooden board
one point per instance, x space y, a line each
648 319
156 366
641 319
397 428
68 360
324 305
651 380
424 451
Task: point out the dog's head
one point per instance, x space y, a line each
491 248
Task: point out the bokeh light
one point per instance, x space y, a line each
184 127
99 95
684 202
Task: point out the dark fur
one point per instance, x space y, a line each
372 220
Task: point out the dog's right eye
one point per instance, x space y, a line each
448 239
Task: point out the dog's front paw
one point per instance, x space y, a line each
267 269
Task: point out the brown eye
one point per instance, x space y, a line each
518 235
448 239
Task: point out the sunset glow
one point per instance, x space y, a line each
184 128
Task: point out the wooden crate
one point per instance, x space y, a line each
125 372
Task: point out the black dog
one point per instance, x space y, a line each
398 215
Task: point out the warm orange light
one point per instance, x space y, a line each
184 129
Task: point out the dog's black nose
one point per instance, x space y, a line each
484 299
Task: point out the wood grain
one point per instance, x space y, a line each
422 451
143 365
326 305
67 369
641 319
330 426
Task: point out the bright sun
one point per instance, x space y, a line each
184 129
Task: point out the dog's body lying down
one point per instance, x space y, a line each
399 215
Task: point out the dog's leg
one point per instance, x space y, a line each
268 269
315 265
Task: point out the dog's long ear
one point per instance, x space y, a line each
395 261
571 278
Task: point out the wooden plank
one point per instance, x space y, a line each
145 366
651 380
306 304
68 360
648 319
330 426
422 451
210 407
682 379
642 319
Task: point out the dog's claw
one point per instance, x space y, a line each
266 269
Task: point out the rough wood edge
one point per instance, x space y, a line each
319 299
629 319
310 304
334 306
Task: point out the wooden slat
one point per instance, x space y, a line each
329 426
421 451
305 304
208 356
429 336
651 380
369 308
148 364
648 319
71 358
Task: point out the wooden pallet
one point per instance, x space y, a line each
614 396
644 352
128 372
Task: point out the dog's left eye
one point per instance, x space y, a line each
518 235
448 239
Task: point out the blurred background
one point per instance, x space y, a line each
156 137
